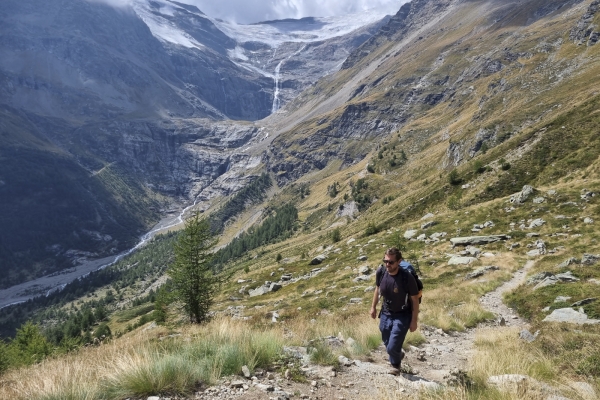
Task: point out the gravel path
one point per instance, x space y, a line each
370 379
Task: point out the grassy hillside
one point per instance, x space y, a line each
443 122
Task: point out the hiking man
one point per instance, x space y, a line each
400 308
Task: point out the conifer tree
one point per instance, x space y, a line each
193 280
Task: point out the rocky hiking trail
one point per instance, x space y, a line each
432 364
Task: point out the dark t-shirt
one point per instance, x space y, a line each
394 288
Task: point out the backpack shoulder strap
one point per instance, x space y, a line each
379 275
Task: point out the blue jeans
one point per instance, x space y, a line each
393 331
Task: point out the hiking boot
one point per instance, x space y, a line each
393 371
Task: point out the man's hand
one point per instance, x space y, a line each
373 312
413 325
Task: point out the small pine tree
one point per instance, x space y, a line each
194 282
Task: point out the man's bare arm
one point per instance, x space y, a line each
415 313
374 303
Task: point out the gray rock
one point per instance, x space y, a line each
364 270
461 260
350 241
344 361
590 259
318 259
527 336
274 287
421 237
523 195
362 258
509 382
410 234
536 223
567 277
356 300
428 224
237 384
588 220
259 291
569 315
584 302
539 200
477 240
153 398
562 299
427 216
246 371
474 251
567 262
369 289
481 271
286 277
585 390
534 253
537 278
265 387
554 279
362 278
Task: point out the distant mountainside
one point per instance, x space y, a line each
109 116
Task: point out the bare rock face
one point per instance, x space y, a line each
585 31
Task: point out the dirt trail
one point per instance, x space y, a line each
370 379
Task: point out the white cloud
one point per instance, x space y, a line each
249 11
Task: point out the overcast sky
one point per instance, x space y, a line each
248 11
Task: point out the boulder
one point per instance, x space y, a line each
536 223
409 234
590 259
537 278
427 216
362 278
421 237
286 277
481 271
428 224
568 262
364 270
539 200
274 287
569 315
362 258
527 336
477 240
259 291
318 259
584 302
461 260
523 195
588 220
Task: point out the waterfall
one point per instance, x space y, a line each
276 101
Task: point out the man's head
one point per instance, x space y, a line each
391 260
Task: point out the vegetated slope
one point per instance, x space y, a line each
512 100
450 80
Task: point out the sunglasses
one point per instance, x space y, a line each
389 261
